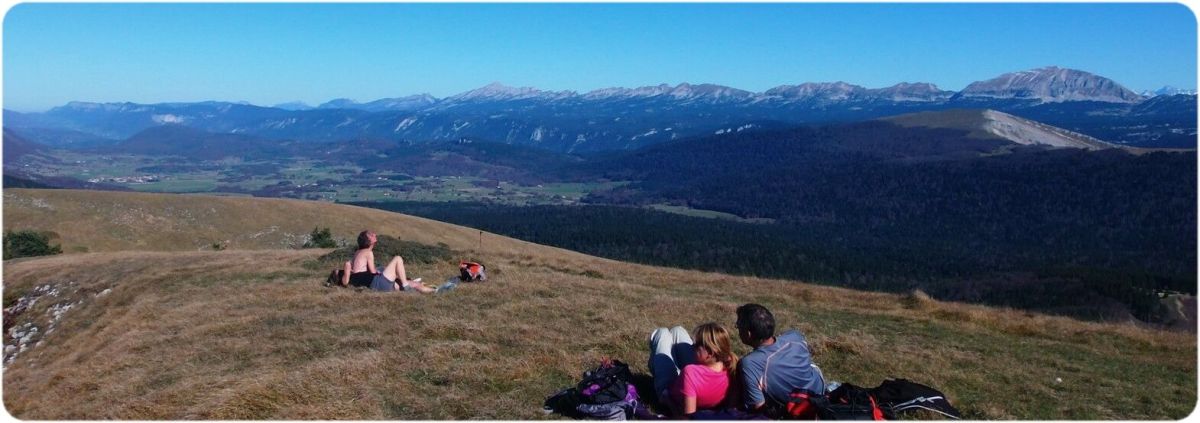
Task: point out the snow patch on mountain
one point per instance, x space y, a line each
166 118
404 124
1167 90
651 132
280 124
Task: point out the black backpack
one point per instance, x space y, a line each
847 402
899 395
606 384
888 401
601 394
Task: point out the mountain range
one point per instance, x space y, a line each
1001 129
1049 84
1167 90
630 118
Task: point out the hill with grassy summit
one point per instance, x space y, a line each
994 124
149 325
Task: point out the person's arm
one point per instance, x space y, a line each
371 262
689 405
756 408
690 391
346 273
753 398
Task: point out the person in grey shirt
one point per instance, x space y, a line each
778 364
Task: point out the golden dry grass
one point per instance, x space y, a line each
250 334
98 221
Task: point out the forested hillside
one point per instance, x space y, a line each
890 192
1062 281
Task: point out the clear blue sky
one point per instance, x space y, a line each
274 53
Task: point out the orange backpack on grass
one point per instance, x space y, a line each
471 272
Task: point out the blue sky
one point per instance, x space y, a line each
274 53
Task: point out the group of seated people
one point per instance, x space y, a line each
361 271
700 372
691 372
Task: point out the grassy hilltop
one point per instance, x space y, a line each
161 327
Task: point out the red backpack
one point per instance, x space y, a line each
847 402
471 272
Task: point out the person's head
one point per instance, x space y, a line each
711 343
366 239
755 324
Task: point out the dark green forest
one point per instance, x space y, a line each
818 254
875 206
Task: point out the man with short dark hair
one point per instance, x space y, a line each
778 364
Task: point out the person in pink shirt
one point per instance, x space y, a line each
692 375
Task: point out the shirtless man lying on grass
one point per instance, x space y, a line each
360 270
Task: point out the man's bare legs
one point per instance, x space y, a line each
346 274
395 271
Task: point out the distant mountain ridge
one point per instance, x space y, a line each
1168 91
1051 85
631 118
402 104
1048 84
986 132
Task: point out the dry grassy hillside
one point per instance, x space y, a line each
251 334
96 221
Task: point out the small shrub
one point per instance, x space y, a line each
320 238
387 247
917 300
28 244
413 252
